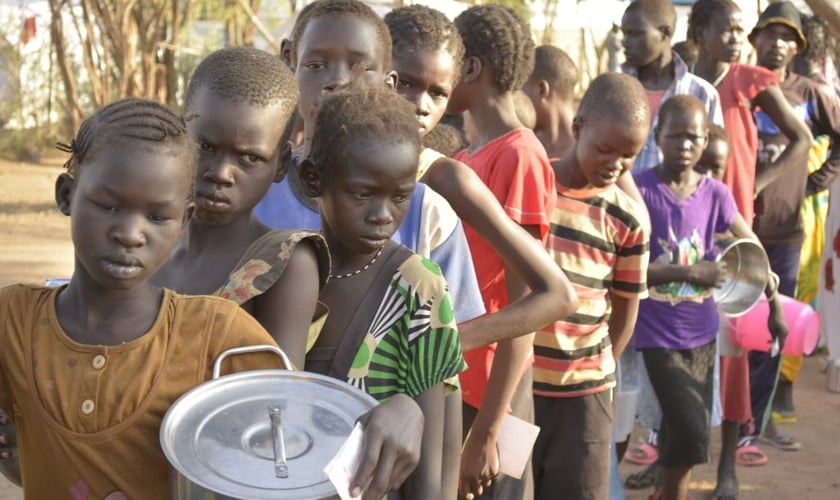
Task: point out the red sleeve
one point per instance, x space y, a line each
525 184
753 80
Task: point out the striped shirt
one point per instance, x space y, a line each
684 83
599 241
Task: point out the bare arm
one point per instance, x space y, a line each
825 10
285 310
548 295
772 102
622 322
480 460
425 481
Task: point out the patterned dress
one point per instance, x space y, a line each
411 343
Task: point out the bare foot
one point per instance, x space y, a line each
727 486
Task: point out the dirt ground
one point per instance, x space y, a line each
35 244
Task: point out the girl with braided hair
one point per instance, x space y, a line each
86 370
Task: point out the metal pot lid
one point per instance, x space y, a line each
219 435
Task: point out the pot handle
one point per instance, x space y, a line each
217 365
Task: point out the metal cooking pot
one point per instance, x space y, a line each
262 434
746 276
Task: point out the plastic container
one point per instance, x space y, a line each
750 330
745 278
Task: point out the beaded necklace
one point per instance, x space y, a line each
357 271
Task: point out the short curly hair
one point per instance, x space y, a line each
360 112
420 27
554 65
615 97
501 38
245 74
682 103
702 13
351 8
659 13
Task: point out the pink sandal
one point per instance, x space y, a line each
644 454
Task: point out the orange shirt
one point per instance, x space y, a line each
88 416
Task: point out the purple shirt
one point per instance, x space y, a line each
680 315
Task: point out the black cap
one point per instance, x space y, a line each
780 13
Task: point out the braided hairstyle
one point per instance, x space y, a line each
244 75
360 112
554 65
615 97
132 121
350 8
418 27
702 13
501 38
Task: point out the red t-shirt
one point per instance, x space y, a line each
737 90
516 169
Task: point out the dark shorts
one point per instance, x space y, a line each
683 382
572 454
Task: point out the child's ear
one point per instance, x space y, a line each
311 178
283 161
544 88
391 79
471 69
577 123
286 52
65 184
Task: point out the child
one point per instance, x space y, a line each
334 41
390 326
648 28
777 37
510 160
274 275
598 238
714 158
678 323
427 56
551 88
715 27
89 409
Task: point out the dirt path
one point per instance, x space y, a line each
35 244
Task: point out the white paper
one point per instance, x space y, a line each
344 464
515 443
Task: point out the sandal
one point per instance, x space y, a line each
644 454
784 442
750 455
780 417
642 479
9 461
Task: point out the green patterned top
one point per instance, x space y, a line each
412 342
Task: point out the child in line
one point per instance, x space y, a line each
86 370
276 276
777 37
648 28
716 154
551 88
598 238
509 159
716 27
390 327
428 53
678 323
330 44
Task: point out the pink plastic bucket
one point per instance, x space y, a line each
750 330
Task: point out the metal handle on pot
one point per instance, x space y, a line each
281 470
217 365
